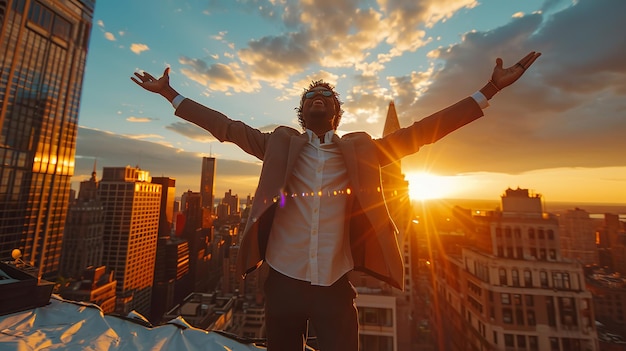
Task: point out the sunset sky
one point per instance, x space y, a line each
559 131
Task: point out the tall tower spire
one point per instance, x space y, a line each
391 122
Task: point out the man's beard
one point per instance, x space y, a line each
319 114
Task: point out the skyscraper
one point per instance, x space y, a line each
207 182
131 212
82 240
166 216
43 50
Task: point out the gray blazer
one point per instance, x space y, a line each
373 235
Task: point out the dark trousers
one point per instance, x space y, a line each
290 303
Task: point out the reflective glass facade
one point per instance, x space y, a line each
43 51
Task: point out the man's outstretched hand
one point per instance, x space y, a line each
160 86
503 77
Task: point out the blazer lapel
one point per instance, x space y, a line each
296 143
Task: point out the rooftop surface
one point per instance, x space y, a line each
68 325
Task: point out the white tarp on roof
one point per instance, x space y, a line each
68 325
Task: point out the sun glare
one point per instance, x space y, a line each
425 186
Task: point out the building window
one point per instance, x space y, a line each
515 277
533 343
554 344
521 342
505 299
502 273
507 316
376 316
62 28
557 280
552 254
531 233
568 311
509 341
543 278
540 234
507 232
550 234
40 15
517 233
530 317
528 278
561 280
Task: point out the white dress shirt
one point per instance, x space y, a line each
307 240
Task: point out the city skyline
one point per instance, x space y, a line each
556 131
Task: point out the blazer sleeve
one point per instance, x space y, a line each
250 140
408 140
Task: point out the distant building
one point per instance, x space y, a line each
166 212
612 241
232 201
83 242
43 50
508 288
207 182
172 281
95 285
578 237
609 299
198 238
205 311
131 206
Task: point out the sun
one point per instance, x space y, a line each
426 186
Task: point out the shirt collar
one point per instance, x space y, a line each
327 138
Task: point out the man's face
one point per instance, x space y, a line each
318 108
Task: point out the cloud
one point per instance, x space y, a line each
354 31
139 119
109 36
143 136
191 131
564 112
111 150
138 48
219 76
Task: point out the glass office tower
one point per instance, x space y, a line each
43 51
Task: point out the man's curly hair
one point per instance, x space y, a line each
338 103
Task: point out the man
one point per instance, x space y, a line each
318 211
